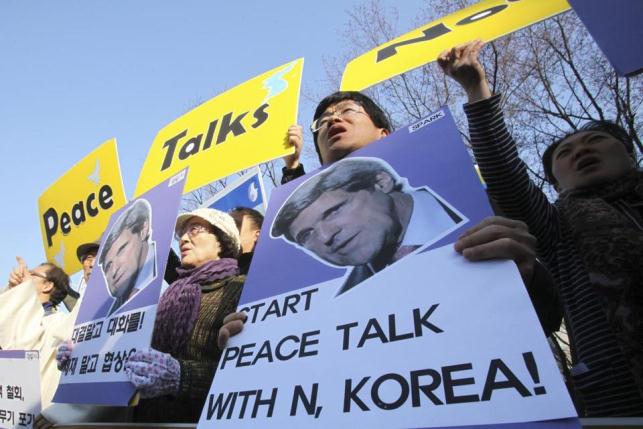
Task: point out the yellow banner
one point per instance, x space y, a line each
486 20
242 127
77 207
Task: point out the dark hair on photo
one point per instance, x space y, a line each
608 127
228 249
238 213
60 279
375 112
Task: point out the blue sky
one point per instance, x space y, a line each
76 73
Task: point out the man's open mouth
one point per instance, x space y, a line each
335 130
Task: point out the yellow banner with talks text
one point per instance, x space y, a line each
238 129
486 20
76 209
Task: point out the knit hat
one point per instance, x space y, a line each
217 219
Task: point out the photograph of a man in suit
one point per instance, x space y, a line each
128 255
360 213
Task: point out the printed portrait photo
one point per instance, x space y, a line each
361 215
128 255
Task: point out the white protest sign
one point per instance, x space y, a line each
362 314
440 381
19 388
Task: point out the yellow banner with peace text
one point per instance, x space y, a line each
235 130
77 207
486 20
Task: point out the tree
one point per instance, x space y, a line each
552 74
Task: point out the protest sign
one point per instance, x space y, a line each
246 191
616 28
361 313
19 388
117 313
76 208
486 20
240 128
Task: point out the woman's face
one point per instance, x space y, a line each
197 243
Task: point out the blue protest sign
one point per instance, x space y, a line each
117 312
246 191
616 28
361 313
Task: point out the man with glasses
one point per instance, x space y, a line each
128 256
347 121
50 282
343 123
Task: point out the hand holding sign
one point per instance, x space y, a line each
232 325
153 373
498 237
63 354
462 64
296 140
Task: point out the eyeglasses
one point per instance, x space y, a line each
346 112
42 276
191 231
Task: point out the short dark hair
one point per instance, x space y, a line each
608 127
349 174
238 213
375 112
133 219
228 249
60 279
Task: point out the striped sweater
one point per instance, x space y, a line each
602 379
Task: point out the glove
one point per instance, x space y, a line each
153 373
63 353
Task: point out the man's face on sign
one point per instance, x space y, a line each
348 228
124 260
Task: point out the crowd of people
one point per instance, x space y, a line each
579 257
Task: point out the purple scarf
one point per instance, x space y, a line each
178 308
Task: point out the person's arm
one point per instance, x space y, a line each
495 151
498 237
292 167
546 299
